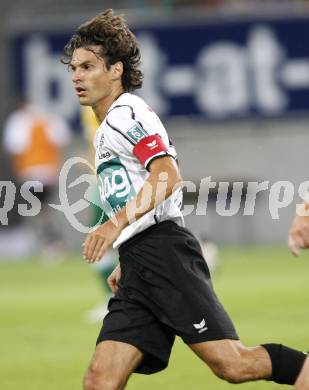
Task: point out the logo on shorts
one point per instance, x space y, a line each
201 327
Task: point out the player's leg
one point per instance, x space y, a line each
131 338
111 365
302 382
232 361
197 315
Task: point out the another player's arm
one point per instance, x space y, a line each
299 231
150 195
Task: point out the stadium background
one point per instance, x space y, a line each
231 83
230 79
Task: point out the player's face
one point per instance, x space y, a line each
92 80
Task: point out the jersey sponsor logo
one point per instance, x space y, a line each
104 155
201 327
115 186
136 133
102 152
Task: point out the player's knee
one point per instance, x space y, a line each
228 372
233 369
232 374
98 380
92 382
88 383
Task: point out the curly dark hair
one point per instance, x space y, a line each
117 43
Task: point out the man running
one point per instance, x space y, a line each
162 285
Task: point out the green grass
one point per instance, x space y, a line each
45 344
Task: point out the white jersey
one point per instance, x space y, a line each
129 138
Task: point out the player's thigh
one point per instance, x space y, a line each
114 359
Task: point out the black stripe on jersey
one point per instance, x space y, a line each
132 114
140 123
120 132
100 168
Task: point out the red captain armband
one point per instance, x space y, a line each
148 148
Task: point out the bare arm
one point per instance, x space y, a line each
163 179
299 232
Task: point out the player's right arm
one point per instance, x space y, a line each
150 195
298 236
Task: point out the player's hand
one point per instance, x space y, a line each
114 278
99 240
299 234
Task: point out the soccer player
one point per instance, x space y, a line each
35 139
299 238
162 285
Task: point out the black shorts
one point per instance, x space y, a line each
164 290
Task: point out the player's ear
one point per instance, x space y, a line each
117 70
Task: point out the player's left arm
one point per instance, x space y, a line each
164 178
